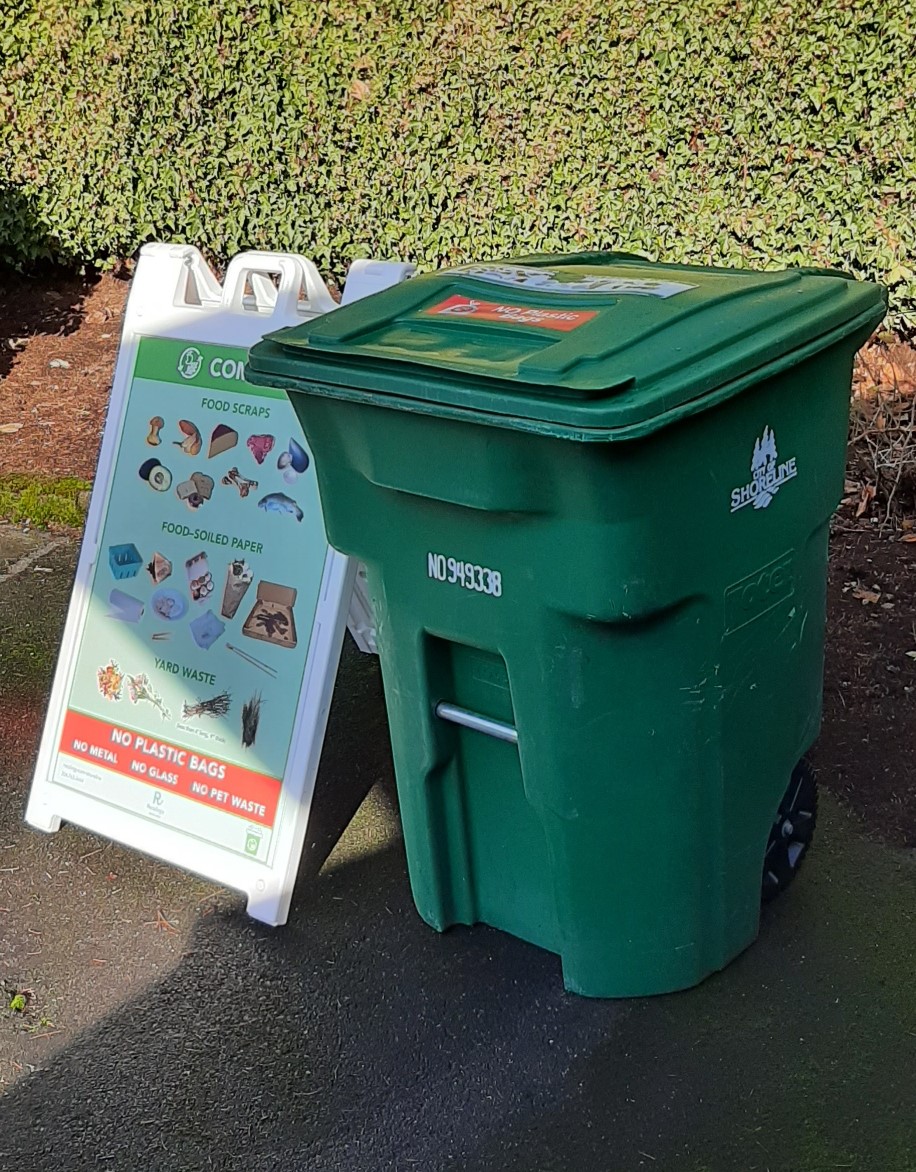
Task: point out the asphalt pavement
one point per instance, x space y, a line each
163 1029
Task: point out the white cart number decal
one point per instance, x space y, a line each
467 574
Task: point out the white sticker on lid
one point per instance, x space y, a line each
548 281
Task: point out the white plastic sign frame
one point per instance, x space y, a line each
175 297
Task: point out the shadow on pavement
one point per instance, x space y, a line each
358 1039
355 1038
796 1058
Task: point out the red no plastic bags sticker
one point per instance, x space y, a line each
513 315
240 791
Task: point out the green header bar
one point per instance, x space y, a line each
200 365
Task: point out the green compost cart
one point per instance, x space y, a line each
593 495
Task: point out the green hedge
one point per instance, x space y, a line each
733 132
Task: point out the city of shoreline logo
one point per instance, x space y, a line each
767 475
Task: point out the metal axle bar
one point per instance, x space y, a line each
484 724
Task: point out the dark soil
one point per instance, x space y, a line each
864 754
55 413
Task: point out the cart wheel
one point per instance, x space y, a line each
792 832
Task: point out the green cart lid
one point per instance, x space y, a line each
592 346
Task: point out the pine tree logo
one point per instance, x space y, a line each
763 467
768 475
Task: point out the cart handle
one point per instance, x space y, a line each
298 276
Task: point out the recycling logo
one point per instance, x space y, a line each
189 362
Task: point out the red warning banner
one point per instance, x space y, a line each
513 315
249 795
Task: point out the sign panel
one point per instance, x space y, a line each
205 628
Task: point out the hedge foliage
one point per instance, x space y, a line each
769 133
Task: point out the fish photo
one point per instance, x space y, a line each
278 502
